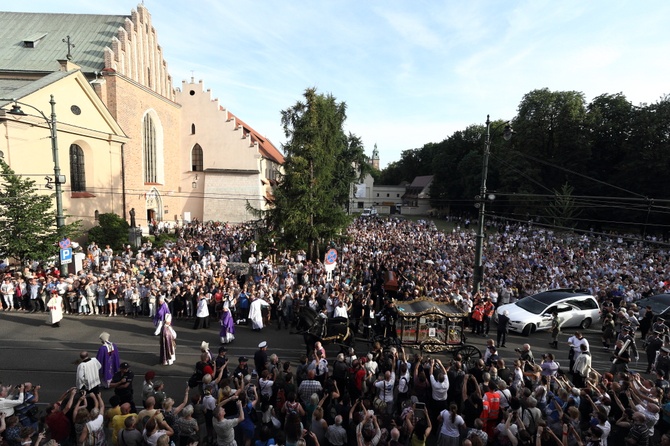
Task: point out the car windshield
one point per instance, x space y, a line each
658 304
531 305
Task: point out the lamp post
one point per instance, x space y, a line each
59 179
478 273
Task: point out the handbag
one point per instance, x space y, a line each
379 404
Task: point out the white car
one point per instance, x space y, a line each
369 212
575 308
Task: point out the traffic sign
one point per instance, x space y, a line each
331 257
65 243
65 256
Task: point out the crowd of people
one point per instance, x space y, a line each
382 396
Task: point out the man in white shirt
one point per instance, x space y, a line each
88 373
341 310
440 386
575 343
385 389
7 404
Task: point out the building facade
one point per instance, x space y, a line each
89 142
228 165
167 160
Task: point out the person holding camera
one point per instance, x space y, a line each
224 427
418 425
8 404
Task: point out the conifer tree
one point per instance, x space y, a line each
27 220
321 164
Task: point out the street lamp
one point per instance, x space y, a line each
59 179
478 273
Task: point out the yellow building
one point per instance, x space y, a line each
89 141
112 72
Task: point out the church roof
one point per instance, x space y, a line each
268 150
33 42
421 181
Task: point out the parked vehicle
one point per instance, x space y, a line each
660 305
576 308
369 212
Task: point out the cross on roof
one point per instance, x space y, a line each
70 45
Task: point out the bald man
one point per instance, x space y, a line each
88 373
119 422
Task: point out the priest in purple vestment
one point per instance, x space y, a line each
168 342
161 312
108 357
227 332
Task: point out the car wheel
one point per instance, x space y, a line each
586 323
527 330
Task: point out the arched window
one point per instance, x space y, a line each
77 169
196 158
192 129
149 146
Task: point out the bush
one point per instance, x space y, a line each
112 230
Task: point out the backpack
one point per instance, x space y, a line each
280 400
292 408
194 379
532 425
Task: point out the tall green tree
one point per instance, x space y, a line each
321 164
27 219
551 126
453 180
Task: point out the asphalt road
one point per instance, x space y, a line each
33 351
36 352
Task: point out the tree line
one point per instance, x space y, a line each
600 165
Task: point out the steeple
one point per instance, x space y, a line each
374 161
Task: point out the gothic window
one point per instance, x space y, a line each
196 158
192 129
149 146
77 169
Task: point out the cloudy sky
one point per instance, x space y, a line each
411 72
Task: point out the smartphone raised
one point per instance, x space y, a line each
420 410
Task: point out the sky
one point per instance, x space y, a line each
410 72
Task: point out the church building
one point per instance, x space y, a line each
127 138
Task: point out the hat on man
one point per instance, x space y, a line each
243 359
665 350
104 336
124 365
222 349
263 344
